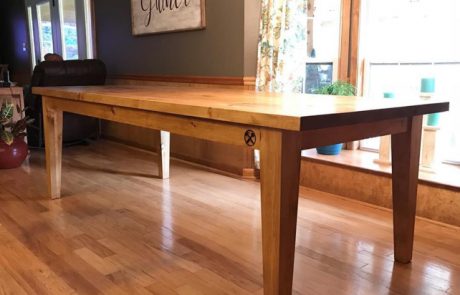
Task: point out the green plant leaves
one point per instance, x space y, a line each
6 112
9 129
338 88
7 137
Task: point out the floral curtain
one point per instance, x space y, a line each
282 49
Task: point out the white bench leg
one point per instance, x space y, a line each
163 154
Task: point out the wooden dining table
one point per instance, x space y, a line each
279 125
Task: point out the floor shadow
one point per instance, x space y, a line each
82 166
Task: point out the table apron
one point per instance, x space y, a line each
224 132
332 135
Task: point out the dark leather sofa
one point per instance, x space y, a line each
76 128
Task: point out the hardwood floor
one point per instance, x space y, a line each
120 230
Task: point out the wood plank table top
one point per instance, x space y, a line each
282 111
280 126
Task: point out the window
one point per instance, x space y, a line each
323 41
60 26
405 41
319 74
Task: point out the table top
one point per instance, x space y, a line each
281 111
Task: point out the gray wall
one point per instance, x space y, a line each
251 36
216 51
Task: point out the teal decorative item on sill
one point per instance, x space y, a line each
427 85
427 88
333 149
337 88
433 119
388 95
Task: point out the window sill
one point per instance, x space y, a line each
446 175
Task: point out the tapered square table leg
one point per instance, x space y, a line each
405 153
52 121
279 175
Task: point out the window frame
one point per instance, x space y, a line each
362 67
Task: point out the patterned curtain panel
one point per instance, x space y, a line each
282 47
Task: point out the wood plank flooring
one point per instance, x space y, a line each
120 230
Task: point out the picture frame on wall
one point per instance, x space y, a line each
162 16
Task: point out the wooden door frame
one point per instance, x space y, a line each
349 48
349 41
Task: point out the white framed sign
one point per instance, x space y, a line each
160 16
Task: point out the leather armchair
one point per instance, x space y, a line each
76 128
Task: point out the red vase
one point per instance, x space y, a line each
12 156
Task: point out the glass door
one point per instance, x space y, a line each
59 26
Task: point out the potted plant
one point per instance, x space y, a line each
337 88
13 149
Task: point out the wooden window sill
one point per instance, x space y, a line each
445 175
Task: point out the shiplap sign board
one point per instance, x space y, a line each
159 16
